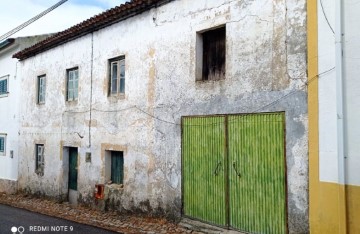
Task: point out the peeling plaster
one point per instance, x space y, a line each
266 60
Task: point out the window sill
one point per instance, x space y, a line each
114 186
71 103
4 95
209 81
40 174
116 97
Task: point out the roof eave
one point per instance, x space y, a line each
86 27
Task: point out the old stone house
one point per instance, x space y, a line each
181 108
9 109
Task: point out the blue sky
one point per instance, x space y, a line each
65 16
102 4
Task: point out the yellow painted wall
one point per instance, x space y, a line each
327 218
313 110
323 197
353 209
334 208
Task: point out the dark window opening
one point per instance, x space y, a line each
214 51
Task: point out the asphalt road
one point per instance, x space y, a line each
30 222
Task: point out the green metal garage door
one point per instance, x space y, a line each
234 171
257 173
203 171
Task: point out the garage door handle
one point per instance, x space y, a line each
236 172
216 172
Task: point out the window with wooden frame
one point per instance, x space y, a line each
39 159
41 89
212 57
72 84
2 144
114 167
117 76
117 167
4 85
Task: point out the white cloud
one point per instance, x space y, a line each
13 13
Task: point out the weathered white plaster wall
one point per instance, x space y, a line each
266 60
352 90
9 114
9 117
327 93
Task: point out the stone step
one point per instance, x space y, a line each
204 227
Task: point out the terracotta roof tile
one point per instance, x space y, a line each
95 23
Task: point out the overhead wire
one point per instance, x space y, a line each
312 79
30 21
252 112
326 18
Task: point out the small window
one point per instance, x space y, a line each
2 144
213 57
72 83
114 167
39 167
41 89
4 85
117 167
117 76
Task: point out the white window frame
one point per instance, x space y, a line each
5 94
72 84
39 159
41 89
117 81
3 152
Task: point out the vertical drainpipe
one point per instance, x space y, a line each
340 113
91 85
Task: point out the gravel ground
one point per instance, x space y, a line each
107 220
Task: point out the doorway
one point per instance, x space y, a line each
73 175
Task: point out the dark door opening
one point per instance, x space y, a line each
73 168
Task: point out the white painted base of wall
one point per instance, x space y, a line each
73 195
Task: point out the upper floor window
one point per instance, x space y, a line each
41 89
2 144
212 44
117 76
4 85
72 84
